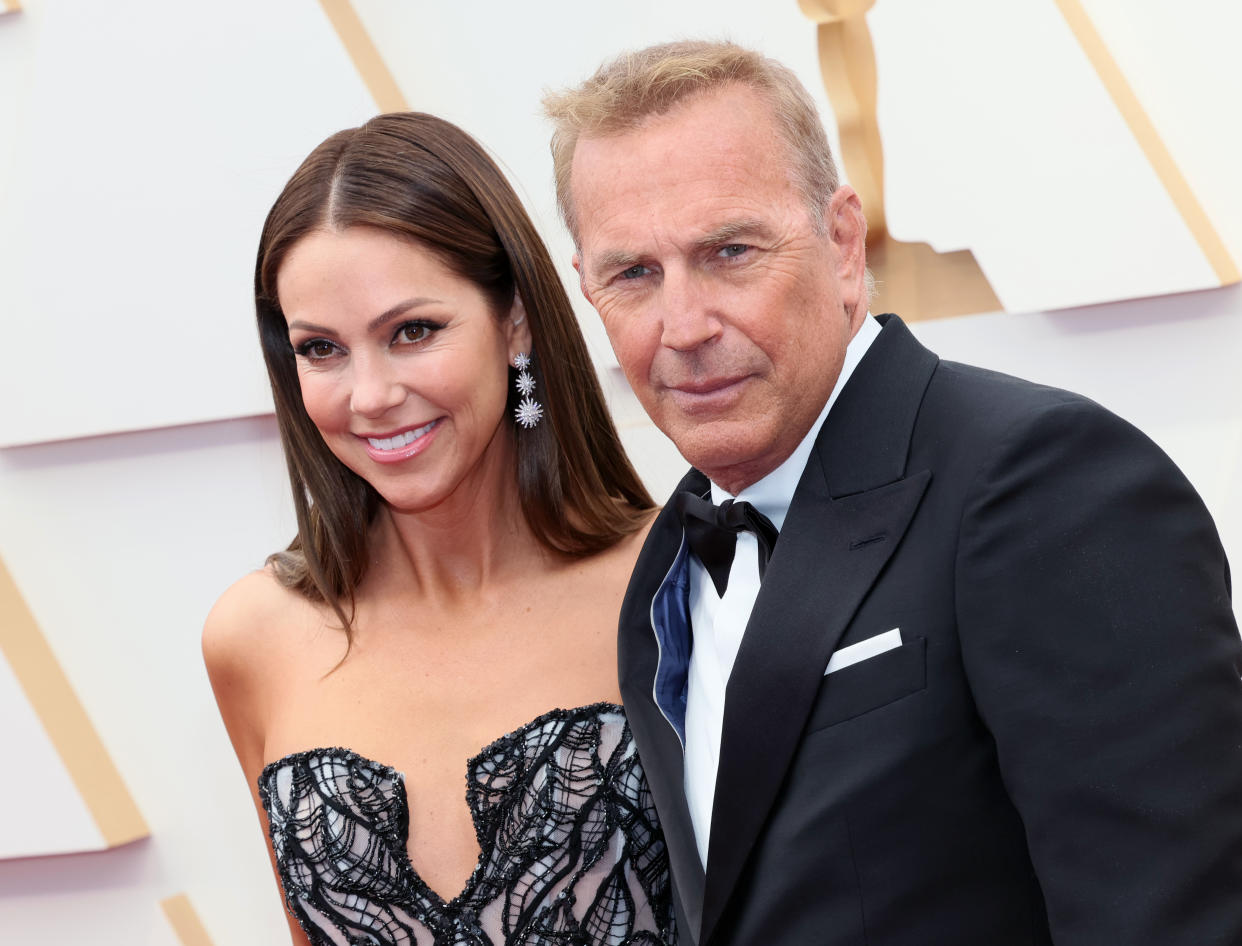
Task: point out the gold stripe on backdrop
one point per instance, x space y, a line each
367 60
68 727
10 6
1149 140
185 922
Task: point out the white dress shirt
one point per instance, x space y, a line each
718 623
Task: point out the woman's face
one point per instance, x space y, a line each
402 364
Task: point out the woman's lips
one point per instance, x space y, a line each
395 447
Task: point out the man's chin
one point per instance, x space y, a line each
728 457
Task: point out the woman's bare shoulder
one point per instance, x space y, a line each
249 623
244 605
247 640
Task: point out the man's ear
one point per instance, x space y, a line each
577 261
519 328
847 227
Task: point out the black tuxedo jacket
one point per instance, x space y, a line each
1054 752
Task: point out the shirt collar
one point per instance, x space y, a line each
772 494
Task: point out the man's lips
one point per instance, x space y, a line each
706 387
706 394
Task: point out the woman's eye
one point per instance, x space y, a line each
316 349
414 332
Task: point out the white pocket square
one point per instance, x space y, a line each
863 650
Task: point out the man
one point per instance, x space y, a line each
986 689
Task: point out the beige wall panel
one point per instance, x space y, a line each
1001 136
59 822
51 821
141 144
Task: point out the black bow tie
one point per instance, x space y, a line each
712 533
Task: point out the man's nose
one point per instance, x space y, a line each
691 316
376 389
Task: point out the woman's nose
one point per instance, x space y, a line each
376 389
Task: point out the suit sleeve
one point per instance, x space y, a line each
1101 647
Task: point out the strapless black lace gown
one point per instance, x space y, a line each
571 852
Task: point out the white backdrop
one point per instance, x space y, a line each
120 543
142 145
144 141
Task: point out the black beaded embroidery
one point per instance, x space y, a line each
571 853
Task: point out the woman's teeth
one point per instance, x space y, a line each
401 440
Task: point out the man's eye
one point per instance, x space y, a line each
733 249
634 272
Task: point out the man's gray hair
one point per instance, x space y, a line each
647 82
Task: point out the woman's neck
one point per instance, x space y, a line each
475 541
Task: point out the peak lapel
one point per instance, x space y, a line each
827 558
823 566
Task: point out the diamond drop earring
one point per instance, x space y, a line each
528 411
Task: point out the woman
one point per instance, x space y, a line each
467 521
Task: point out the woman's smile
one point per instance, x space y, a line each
393 448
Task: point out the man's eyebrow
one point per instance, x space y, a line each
732 232
614 261
388 315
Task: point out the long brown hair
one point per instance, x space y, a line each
424 179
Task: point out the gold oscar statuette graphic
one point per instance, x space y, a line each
913 280
10 6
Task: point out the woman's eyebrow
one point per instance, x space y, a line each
376 323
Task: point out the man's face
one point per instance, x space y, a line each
728 307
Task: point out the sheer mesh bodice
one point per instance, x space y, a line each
570 850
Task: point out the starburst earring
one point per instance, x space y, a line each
528 411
